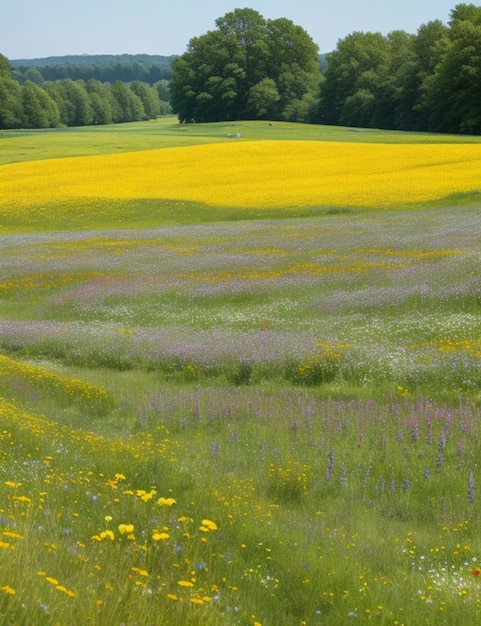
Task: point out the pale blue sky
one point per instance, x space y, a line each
36 28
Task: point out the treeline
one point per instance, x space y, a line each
79 103
430 81
106 68
254 68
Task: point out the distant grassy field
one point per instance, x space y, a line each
239 376
28 145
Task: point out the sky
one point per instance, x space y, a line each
43 28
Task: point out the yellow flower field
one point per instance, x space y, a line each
253 174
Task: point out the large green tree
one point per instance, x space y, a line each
353 78
128 106
149 97
427 48
5 70
39 109
102 102
248 67
453 95
72 100
11 106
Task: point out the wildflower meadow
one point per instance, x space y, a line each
240 376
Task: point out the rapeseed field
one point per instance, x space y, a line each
250 174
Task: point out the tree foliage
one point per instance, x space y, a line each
11 105
430 81
77 103
103 67
252 68
454 97
5 71
39 109
248 67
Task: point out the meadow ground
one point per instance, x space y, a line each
239 376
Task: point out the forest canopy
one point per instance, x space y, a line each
147 68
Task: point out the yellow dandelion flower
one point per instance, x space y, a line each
126 529
207 525
157 536
22 499
185 583
139 571
107 534
68 592
10 590
12 535
166 501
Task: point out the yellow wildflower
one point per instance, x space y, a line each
126 529
166 501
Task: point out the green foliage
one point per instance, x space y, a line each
72 101
428 81
11 106
454 96
128 106
102 102
107 68
5 68
149 97
359 62
39 109
248 68
67 102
